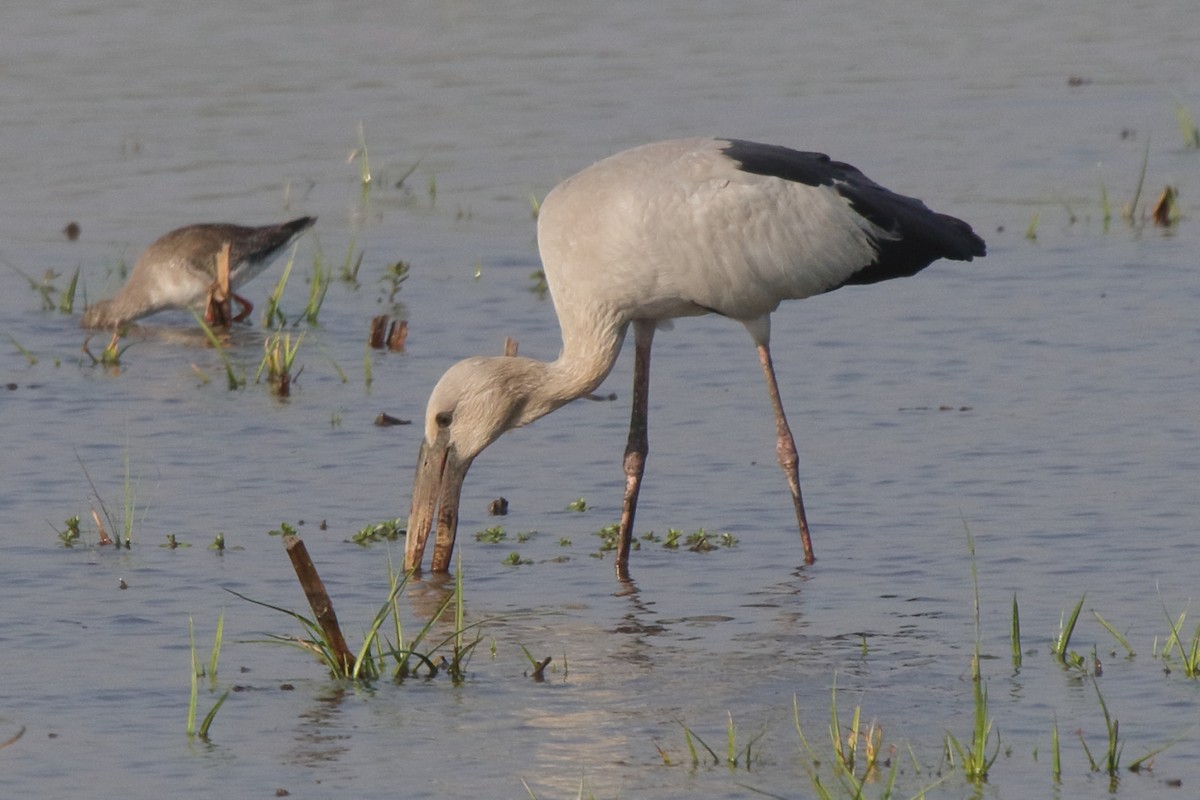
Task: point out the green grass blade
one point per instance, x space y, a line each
1121 640
212 714
1015 634
216 649
1130 211
1056 757
191 715
231 378
1062 644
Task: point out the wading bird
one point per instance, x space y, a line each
672 229
180 269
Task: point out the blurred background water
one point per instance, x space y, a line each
1044 397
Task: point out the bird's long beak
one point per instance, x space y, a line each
436 490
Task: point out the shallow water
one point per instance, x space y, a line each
1069 442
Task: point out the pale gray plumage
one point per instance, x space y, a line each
672 229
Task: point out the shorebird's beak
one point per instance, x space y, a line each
436 490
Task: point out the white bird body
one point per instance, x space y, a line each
665 230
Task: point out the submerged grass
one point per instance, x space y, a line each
279 356
272 316
232 381
198 671
1189 654
1061 646
124 531
318 287
379 656
973 754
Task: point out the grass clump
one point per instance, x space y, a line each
735 756
1189 653
279 356
1061 646
397 657
233 382
973 754
199 671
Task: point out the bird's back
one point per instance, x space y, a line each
692 225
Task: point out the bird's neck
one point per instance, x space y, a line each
580 368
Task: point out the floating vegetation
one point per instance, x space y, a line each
284 529
492 535
388 530
70 534
394 276
579 504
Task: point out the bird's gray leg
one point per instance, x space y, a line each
785 449
639 443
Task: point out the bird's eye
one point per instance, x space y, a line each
444 419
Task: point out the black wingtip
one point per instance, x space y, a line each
299 224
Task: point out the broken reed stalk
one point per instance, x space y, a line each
319 602
397 336
510 347
539 669
378 331
219 311
388 333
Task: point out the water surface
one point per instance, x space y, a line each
1044 397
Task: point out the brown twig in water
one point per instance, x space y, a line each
319 602
375 339
219 310
510 347
13 738
104 538
539 669
391 335
397 336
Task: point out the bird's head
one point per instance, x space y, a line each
474 402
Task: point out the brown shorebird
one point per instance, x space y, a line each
180 269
